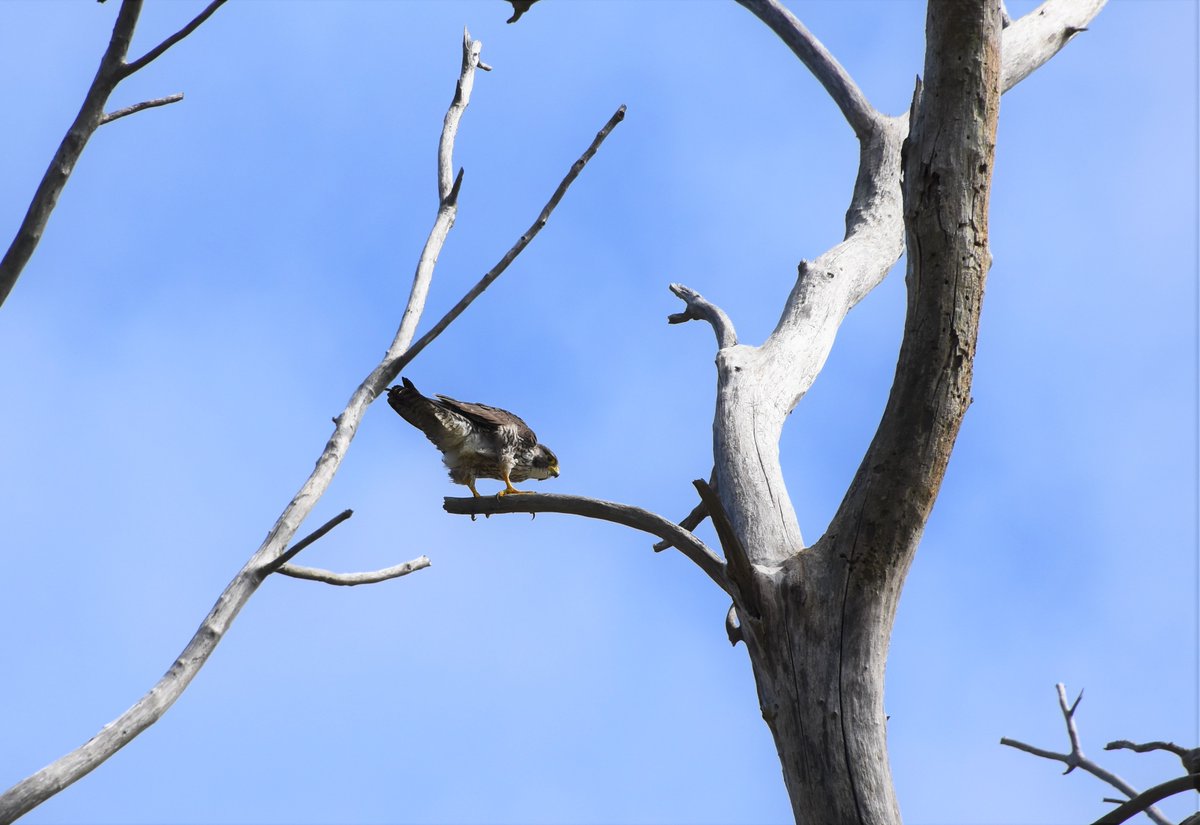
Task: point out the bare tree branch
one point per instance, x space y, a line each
1034 38
736 561
112 71
35 789
1075 758
137 107
1144 802
836 80
351 579
700 309
447 205
158 50
293 551
280 565
1125 744
628 515
462 96
693 519
828 286
394 367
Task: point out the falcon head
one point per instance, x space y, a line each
543 464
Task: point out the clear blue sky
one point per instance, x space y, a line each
220 274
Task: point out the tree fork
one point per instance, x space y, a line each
820 652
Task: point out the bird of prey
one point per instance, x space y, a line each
477 441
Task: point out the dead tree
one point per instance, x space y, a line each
816 619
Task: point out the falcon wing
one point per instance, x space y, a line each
446 428
492 419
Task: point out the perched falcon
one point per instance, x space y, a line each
477 441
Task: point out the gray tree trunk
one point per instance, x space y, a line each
817 621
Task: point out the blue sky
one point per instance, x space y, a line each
220 274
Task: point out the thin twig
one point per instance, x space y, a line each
625 514
701 309
137 107
158 50
394 368
1075 758
291 553
693 519
351 579
861 116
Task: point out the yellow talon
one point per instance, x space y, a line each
508 488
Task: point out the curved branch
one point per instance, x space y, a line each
625 514
701 309
351 579
1146 799
836 80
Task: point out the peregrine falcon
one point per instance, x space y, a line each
477 441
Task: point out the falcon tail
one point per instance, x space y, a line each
423 413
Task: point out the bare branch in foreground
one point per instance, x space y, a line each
137 107
701 309
158 50
824 66
401 361
351 579
636 517
35 789
1075 758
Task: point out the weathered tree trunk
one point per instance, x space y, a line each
817 621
